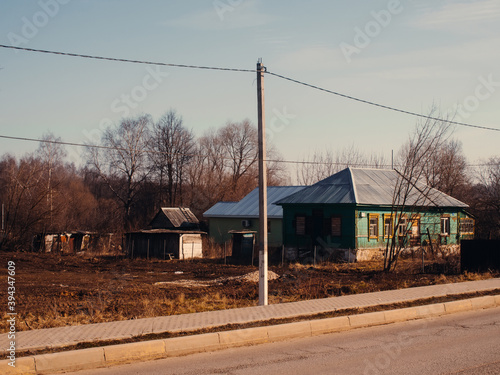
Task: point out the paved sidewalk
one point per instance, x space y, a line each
70 335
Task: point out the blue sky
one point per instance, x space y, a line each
408 54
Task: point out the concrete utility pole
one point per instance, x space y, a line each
263 291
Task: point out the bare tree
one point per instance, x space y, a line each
224 166
172 147
23 191
410 194
324 164
51 153
240 145
486 200
123 162
446 169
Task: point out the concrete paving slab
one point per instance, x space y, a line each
430 310
191 344
289 331
400 315
65 336
125 353
250 336
110 355
368 319
457 306
70 361
483 302
329 325
25 365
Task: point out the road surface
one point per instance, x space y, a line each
465 343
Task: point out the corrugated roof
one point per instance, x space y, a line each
165 231
179 216
248 207
367 186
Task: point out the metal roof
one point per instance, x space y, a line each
248 207
166 231
178 216
368 187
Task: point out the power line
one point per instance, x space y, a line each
252 71
127 60
148 151
379 105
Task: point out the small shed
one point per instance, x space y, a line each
65 242
74 242
227 217
164 244
243 246
179 218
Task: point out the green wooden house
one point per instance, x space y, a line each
227 217
352 213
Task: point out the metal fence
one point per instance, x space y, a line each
480 255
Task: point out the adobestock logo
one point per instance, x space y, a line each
139 93
124 104
373 28
279 122
483 91
222 7
32 25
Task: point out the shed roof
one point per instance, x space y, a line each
248 207
178 216
368 187
166 231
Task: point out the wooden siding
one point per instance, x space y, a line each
218 229
355 226
315 229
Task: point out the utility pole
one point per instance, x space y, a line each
263 290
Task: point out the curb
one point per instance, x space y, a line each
147 350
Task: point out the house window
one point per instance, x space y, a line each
373 225
269 226
467 226
336 226
445 226
300 225
388 225
403 227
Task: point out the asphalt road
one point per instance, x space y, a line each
465 343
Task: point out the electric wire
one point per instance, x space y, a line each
127 60
350 97
379 105
149 151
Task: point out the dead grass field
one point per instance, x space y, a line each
54 290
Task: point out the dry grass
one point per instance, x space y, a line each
54 291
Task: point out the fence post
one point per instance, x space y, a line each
423 260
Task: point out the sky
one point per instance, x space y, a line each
407 54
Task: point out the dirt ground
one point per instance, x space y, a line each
55 290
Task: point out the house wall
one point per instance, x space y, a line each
355 230
142 245
190 246
218 229
428 220
293 240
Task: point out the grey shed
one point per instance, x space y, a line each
180 218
